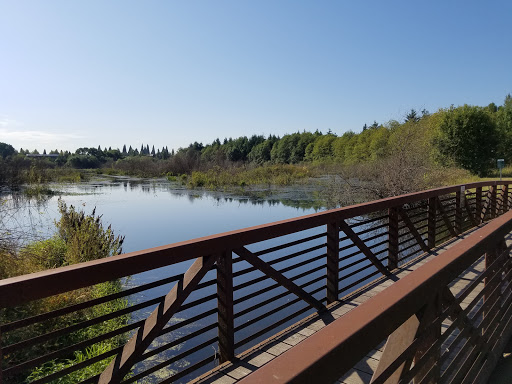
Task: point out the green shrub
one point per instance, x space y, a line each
79 238
85 237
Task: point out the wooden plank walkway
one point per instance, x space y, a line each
252 359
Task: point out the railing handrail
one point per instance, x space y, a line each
21 289
359 331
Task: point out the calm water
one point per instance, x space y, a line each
151 213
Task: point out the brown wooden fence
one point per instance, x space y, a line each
235 290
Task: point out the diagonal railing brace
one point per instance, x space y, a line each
468 210
363 247
413 230
486 204
135 347
278 277
446 220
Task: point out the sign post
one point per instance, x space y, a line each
501 165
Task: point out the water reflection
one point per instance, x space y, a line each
22 218
162 209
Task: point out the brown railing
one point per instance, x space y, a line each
205 300
433 335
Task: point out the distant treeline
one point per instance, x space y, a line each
469 137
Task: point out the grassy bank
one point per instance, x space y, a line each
279 174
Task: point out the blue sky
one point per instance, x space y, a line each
89 73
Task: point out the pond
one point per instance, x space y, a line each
151 212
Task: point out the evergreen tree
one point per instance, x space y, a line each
412 117
124 149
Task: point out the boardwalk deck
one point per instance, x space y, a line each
251 360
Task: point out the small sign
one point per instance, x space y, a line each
501 163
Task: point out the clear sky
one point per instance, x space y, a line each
89 73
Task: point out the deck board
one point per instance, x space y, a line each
361 373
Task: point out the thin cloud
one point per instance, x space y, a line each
39 139
38 136
7 122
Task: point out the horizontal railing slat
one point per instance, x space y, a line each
77 307
75 327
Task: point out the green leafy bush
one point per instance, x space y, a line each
79 238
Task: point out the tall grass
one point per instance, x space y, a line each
277 174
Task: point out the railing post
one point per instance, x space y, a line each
333 250
392 238
225 307
431 225
490 256
1 358
493 201
427 316
458 211
478 203
417 326
504 198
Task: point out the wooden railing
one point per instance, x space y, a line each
446 322
222 294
